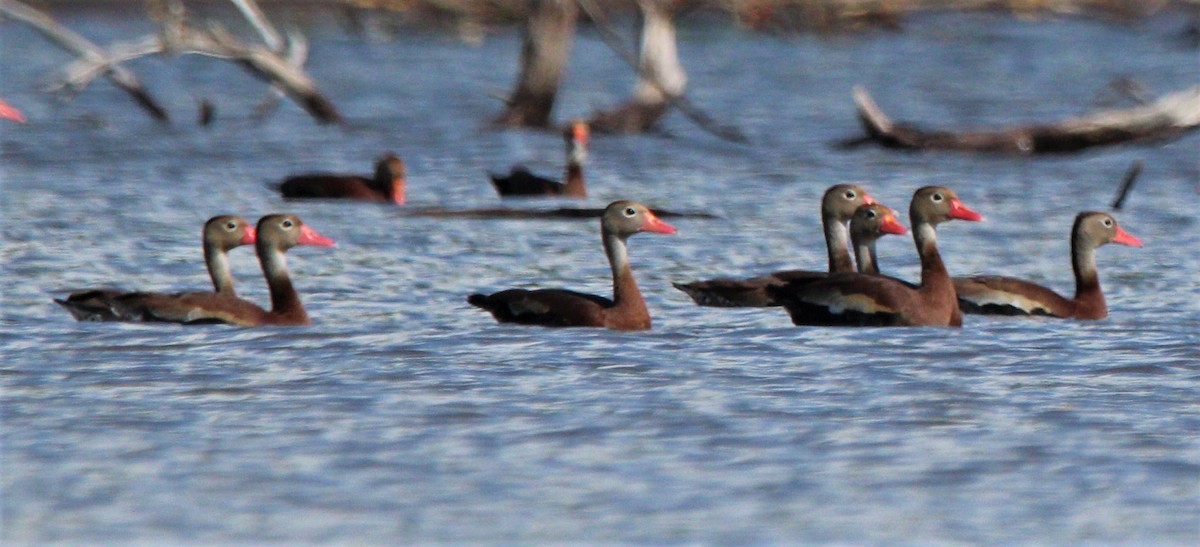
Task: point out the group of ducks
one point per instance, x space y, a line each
844 297
275 234
272 237
840 296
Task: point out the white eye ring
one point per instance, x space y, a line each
937 197
287 223
630 212
1108 222
850 194
231 226
871 214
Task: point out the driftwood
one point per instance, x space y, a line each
548 33
294 49
1167 117
281 69
103 63
661 78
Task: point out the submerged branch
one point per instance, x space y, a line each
1127 184
1167 117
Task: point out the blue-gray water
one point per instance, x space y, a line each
404 415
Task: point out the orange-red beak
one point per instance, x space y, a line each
309 236
868 200
1125 238
891 226
249 237
7 112
962 212
579 132
653 224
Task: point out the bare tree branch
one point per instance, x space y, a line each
88 51
661 78
177 38
548 33
261 62
255 16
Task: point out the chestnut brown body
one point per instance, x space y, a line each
851 299
999 295
521 183
564 308
221 234
386 185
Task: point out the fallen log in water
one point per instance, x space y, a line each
1167 117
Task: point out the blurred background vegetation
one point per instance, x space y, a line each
763 15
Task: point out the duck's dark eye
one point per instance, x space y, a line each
1108 222
287 223
871 214
937 198
630 211
231 226
850 194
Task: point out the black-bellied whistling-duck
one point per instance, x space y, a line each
387 184
221 234
9 112
851 299
276 234
996 295
837 207
870 222
521 183
563 308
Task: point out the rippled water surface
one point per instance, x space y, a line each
404 415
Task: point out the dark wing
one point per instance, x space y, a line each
546 307
328 186
184 308
997 295
846 299
521 182
745 293
93 305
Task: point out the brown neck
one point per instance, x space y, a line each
935 280
384 175
1089 299
285 301
574 186
837 244
217 261
627 298
864 253
385 183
